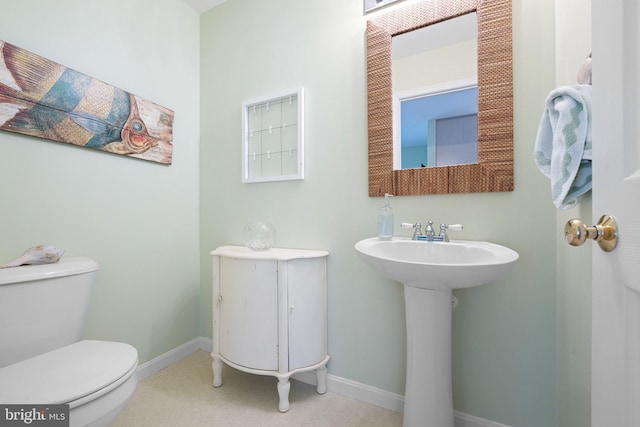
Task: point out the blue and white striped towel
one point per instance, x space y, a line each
563 144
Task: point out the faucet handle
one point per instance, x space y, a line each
455 227
417 229
443 230
409 225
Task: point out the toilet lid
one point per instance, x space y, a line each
66 374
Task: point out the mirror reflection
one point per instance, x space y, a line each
438 129
435 96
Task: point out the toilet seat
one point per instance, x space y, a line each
73 374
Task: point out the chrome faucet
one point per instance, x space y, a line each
429 233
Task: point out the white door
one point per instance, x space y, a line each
616 191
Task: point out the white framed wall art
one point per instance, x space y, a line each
273 137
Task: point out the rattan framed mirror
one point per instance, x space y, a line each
494 170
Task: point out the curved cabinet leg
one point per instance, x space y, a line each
321 375
216 366
283 391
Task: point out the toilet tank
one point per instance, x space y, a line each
43 307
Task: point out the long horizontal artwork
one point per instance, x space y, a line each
41 98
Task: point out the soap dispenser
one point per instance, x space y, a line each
385 220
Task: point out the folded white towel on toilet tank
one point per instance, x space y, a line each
563 145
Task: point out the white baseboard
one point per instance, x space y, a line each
206 344
384 399
355 390
465 420
168 358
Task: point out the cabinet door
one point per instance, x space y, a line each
307 280
248 312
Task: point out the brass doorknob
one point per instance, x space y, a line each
605 232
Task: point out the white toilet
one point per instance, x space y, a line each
42 357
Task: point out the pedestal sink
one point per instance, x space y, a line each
429 272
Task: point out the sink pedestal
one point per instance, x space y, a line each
428 398
429 272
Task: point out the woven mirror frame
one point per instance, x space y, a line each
494 170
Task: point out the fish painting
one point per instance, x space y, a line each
41 98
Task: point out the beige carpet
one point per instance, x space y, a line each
182 395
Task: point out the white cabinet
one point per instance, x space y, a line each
270 314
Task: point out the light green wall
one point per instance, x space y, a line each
138 219
505 332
